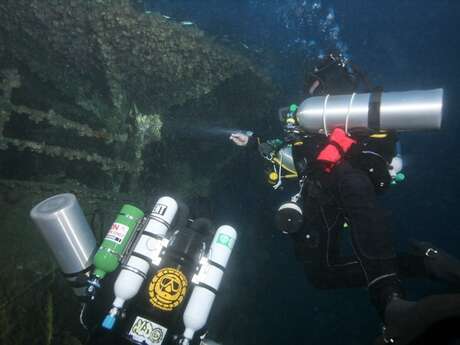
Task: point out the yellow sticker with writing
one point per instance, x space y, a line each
167 288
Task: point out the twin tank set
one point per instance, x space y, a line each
161 272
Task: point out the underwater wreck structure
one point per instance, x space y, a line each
95 98
105 75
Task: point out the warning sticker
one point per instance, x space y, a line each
147 332
117 232
167 289
225 240
160 209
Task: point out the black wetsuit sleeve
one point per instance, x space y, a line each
253 142
305 153
264 147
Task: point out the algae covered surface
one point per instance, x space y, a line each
124 101
103 101
93 83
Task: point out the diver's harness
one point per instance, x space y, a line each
279 152
338 147
280 167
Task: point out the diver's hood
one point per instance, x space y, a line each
333 77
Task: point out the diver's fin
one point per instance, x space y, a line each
407 322
438 264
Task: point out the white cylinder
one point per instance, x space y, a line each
222 245
129 280
64 227
399 111
197 311
163 213
148 245
209 277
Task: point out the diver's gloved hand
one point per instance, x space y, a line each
268 147
438 264
265 149
239 139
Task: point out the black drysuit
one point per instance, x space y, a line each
348 195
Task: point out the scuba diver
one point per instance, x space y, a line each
341 169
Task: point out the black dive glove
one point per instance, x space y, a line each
266 148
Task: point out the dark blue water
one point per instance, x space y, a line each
403 45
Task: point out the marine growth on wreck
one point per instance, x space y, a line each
94 100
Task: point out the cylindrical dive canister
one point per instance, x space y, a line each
110 252
399 111
208 281
156 311
145 253
112 248
289 218
62 223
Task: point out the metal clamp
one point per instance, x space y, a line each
202 270
430 252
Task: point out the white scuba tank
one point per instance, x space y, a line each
207 281
146 252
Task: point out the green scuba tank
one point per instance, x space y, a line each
110 252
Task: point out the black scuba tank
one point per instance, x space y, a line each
158 308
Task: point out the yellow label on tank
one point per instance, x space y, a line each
379 136
167 289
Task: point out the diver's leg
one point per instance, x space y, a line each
404 321
371 238
424 260
432 317
317 246
434 263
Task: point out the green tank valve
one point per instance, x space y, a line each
293 108
399 177
276 143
